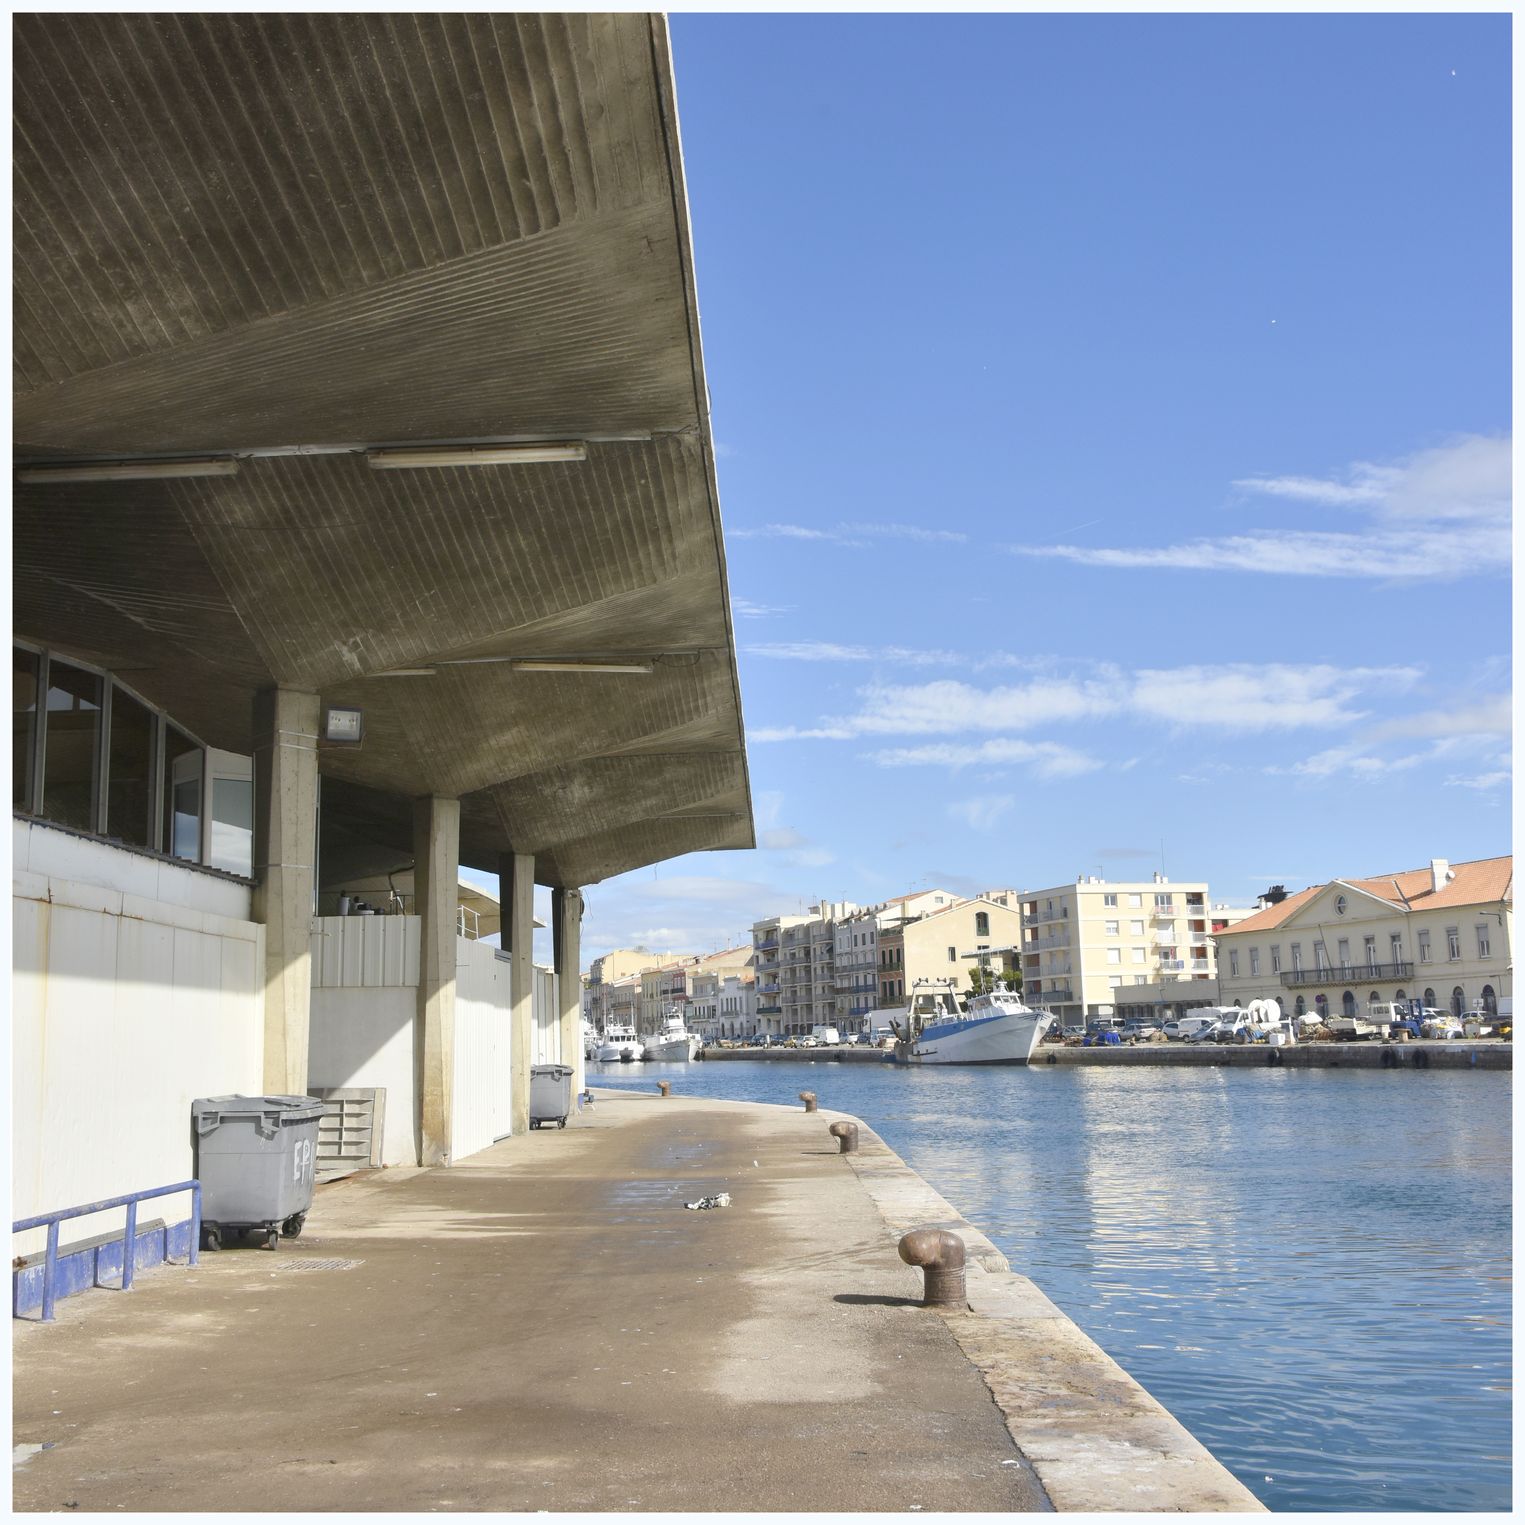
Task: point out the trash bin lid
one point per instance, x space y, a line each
298 1108
555 1071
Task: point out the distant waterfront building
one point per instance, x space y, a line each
1086 945
723 1006
614 966
945 943
1442 934
767 963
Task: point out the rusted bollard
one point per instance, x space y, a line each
940 1254
846 1135
665 1087
808 1097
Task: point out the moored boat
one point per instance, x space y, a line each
996 1027
674 1043
621 1043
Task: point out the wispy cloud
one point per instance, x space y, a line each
749 609
1440 514
1488 716
1046 759
830 651
847 534
1499 779
982 811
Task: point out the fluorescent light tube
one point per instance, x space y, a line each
127 471
477 455
565 664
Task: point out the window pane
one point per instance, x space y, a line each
129 781
73 746
182 796
233 825
24 725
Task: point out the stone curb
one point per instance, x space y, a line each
1096 1439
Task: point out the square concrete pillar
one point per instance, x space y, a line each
436 897
566 933
285 853
516 898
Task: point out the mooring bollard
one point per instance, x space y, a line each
808 1097
846 1135
940 1254
665 1087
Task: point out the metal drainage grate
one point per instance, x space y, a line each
321 1265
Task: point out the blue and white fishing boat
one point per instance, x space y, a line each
994 1028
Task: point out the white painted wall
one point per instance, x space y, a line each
362 1030
364 1027
137 986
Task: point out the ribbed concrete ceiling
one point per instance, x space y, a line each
295 237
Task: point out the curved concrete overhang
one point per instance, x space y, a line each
297 240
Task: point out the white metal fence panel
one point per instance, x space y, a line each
481 1070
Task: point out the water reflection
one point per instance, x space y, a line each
1310 1268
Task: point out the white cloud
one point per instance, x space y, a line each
764 733
982 811
1499 779
1047 759
828 651
1440 514
1489 716
1243 696
749 609
847 534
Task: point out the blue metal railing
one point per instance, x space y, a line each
129 1236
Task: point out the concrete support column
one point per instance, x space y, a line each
516 897
436 895
285 849
566 922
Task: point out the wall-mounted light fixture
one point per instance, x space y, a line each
477 455
127 471
343 725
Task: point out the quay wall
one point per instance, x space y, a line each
1422 1054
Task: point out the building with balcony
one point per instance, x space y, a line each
944 942
1086 946
1442 935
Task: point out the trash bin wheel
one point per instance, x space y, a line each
272 1238
562 1123
211 1237
292 1227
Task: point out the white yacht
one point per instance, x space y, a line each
620 1042
589 1040
996 1028
673 1042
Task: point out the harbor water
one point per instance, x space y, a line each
1309 1268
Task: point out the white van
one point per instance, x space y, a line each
825 1035
1195 1020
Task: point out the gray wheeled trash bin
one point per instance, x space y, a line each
550 1094
256 1159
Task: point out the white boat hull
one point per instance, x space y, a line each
1007 1038
673 1050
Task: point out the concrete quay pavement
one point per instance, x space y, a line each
545 1327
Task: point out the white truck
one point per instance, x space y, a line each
825 1036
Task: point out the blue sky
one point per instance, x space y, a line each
1113 428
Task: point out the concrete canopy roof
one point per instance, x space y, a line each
295 238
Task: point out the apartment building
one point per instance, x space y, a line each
1442 934
616 965
723 1006
944 942
767 964
1086 945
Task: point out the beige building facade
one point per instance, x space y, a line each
1443 935
1086 945
945 944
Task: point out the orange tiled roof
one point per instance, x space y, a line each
1476 883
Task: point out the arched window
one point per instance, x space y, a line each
1458 1001
1490 1001
1348 1003
982 923
1372 1000
1429 997
1302 1007
1398 995
1322 1002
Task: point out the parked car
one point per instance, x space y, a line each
1139 1028
1234 1029
1181 1029
1074 1030
1204 1032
